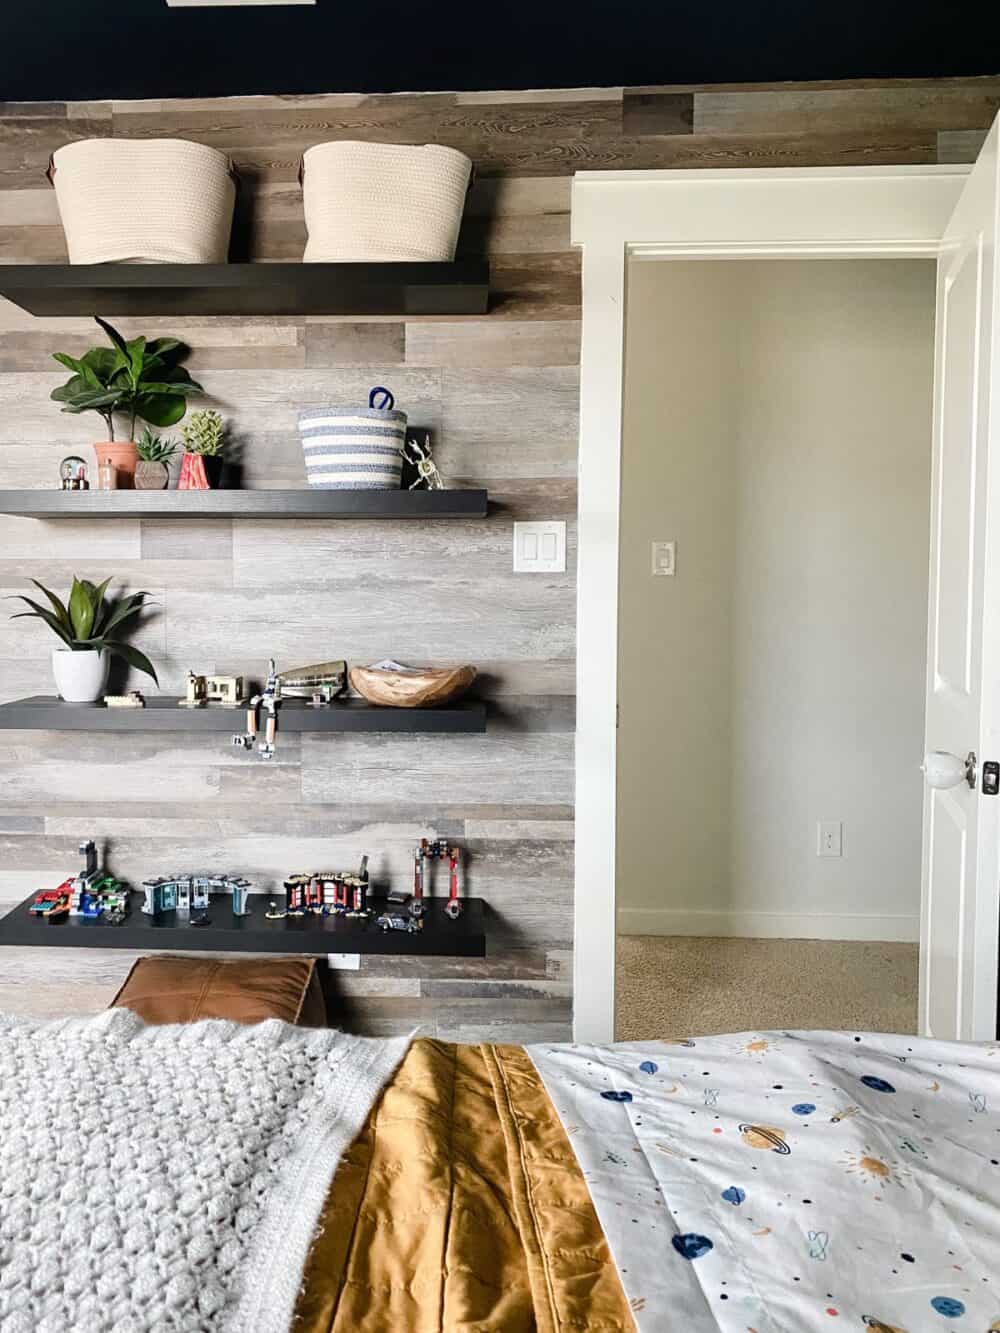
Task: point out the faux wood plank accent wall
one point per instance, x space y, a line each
499 393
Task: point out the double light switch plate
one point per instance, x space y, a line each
540 548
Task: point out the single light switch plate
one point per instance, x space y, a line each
345 962
539 548
665 559
829 838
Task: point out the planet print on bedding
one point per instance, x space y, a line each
847 1142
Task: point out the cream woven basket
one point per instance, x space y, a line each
144 201
381 202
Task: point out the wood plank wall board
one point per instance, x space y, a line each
500 396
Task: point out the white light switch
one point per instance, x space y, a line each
665 559
539 548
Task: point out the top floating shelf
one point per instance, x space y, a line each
301 503
461 288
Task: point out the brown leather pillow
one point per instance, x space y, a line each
181 990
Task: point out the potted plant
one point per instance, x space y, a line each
204 437
138 379
90 627
154 452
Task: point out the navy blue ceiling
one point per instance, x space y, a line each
60 50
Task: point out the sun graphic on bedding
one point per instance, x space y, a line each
754 1046
873 1168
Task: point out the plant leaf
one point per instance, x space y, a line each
97 599
161 409
177 375
70 362
81 609
169 388
123 610
57 603
164 346
42 613
103 361
133 656
85 399
115 337
137 357
77 384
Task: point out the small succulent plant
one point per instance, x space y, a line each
153 448
204 433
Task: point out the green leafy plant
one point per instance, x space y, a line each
87 621
204 433
153 448
138 378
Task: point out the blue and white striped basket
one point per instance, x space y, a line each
359 449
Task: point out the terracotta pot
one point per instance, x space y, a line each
150 476
124 456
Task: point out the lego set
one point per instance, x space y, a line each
91 893
319 684
327 893
190 895
439 850
202 690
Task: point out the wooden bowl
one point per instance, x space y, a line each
412 689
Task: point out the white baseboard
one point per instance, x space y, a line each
768 925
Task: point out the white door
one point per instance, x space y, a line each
961 874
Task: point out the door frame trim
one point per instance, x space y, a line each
777 212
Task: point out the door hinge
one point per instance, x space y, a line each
618 716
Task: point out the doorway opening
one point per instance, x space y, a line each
773 588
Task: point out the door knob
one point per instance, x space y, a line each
943 770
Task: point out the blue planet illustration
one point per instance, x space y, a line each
804 1108
689 1245
612 1096
948 1306
876 1084
734 1195
649 1067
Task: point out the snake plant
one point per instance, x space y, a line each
88 621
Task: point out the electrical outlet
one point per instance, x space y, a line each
829 838
344 962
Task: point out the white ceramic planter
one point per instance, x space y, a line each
80 677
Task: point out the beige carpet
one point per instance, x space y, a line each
675 986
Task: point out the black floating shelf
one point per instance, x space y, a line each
302 503
225 933
47 713
460 288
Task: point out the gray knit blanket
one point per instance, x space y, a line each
169 1179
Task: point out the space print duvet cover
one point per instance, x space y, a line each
789 1181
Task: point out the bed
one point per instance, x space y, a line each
749 1183
759 1181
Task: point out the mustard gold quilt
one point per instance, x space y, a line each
461 1207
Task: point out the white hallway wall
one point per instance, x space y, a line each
777 426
